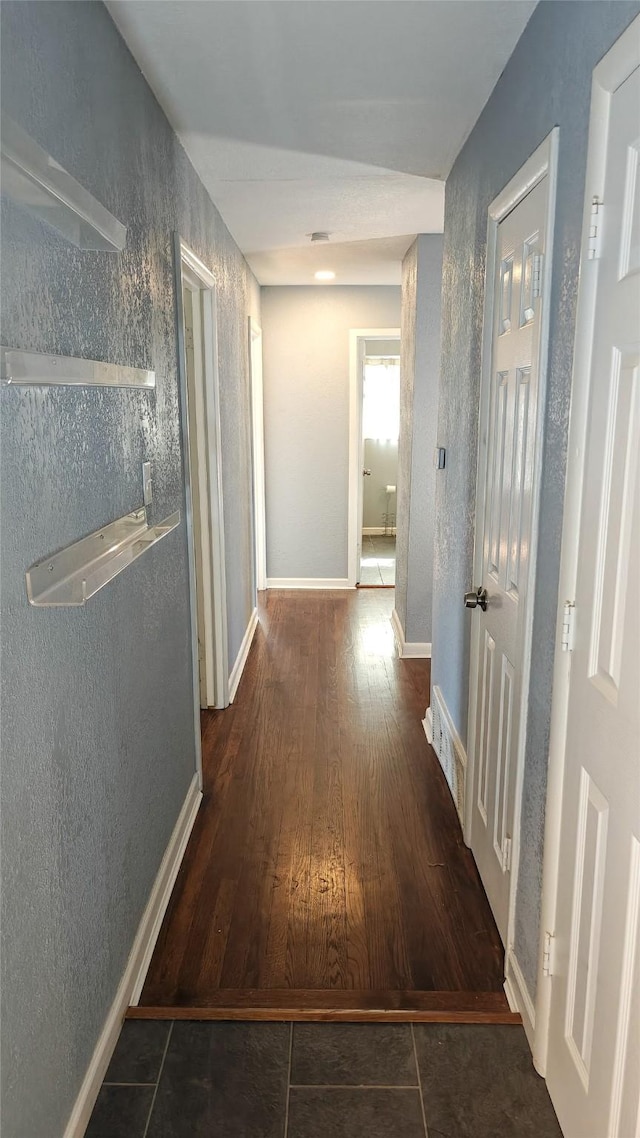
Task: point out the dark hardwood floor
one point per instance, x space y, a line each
326 876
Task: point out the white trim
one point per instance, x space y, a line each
408 649
309 583
609 74
134 974
542 163
191 558
357 336
518 996
372 531
427 723
195 276
257 427
241 659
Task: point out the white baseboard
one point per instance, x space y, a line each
408 649
378 531
132 980
519 997
449 748
308 583
241 659
427 723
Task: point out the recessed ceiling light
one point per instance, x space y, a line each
325 275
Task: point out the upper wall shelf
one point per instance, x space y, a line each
33 178
76 573
28 368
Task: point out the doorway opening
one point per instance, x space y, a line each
199 393
374 430
380 431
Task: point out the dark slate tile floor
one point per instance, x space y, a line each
321 1080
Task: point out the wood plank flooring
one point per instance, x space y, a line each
326 867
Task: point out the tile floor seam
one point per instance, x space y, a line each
415 1058
160 1070
111 1083
286 1109
354 1087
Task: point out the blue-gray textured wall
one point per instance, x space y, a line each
98 741
419 378
547 82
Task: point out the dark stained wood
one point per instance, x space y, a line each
327 856
351 1005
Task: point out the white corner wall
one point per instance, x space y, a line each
305 335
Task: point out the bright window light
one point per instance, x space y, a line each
325 275
381 400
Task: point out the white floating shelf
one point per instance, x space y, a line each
33 178
76 573
27 368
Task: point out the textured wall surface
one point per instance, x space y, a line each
97 713
419 371
306 382
547 82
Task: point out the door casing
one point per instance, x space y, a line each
542 164
194 274
357 337
609 74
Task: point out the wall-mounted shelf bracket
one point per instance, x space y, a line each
76 573
35 180
20 369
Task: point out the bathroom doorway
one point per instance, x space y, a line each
380 429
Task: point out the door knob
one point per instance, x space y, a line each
478 598
366 472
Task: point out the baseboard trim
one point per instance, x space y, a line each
408 649
133 977
378 531
241 659
519 997
449 749
308 583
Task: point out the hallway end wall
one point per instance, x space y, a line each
305 336
98 746
547 82
419 382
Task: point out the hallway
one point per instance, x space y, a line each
326 872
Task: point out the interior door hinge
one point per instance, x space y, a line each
536 279
548 954
506 855
595 229
568 626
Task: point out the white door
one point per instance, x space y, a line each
593 1066
503 543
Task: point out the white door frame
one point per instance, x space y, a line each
617 65
257 427
541 164
357 336
192 273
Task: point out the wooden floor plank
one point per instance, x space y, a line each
327 857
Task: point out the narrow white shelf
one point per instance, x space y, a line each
20 369
76 573
33 178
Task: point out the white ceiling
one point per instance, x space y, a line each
336 115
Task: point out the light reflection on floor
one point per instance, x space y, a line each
377 639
